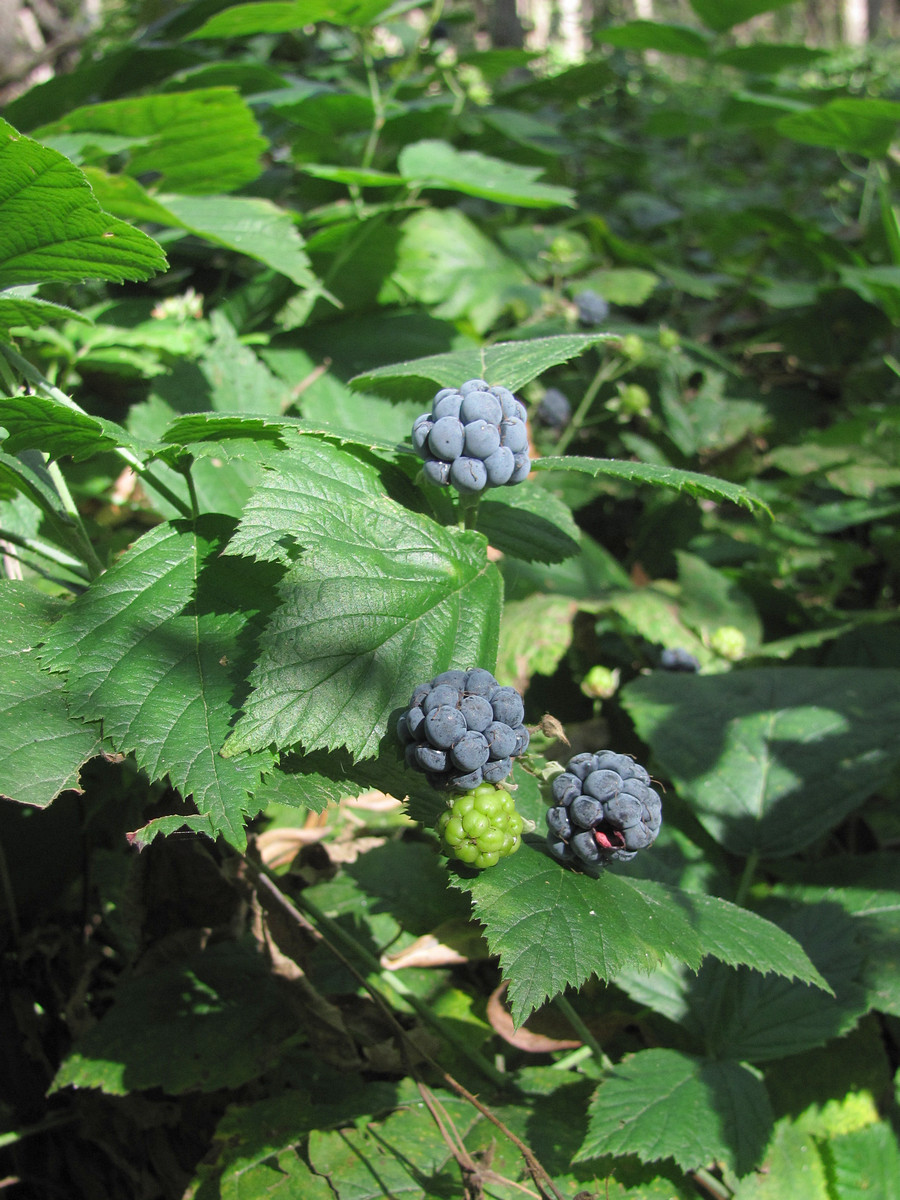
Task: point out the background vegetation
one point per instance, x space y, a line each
240 249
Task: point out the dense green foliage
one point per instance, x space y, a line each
239 254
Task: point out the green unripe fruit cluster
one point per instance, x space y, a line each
481 827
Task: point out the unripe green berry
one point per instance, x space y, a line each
481 826
669 339
634 399
729 642
600 682
633 347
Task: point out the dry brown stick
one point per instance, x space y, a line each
538 1173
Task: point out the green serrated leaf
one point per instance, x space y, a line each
403 1155
510 364
60 429
534 636
42 748
864 125
285 16
657 35
52 228
703 486
149 648
446 262
554 928
166 1028
528 523
357 628
194 142
30 312
719 15
433 163
736 936
864 1164
773 757
745 1015
666 1104
250 225
792 1167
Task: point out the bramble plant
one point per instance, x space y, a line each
287 303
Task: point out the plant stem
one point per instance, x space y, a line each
606 371
45 550
337 934
583 1032
92 562
715 1187
468 510
746 880
43 385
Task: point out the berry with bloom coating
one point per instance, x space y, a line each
592 308
554 410
475 437
604 810
678 659
463 729
481 826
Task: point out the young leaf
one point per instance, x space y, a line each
375 600
704 486
771 758
42 748
52 228
510 364
667 1104
150 649
433 163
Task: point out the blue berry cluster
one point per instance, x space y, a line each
475 437
592 308
463 729
676 658
554 410
604 810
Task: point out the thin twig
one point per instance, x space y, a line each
541 1178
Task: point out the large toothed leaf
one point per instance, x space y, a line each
758 1018
666 1104
436 164
42 748
52 228
554 927
509 364
203 141
18 309
705 487
286 16
375 599
59 428
529 523
771 758
154 648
